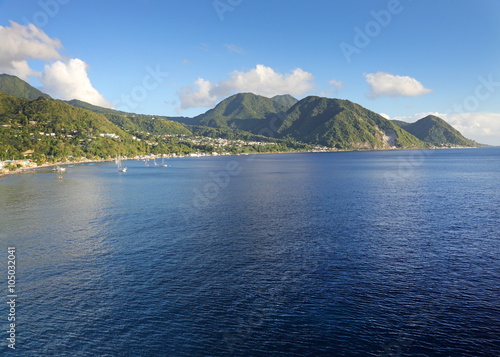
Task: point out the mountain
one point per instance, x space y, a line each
131 122
243 111
287 100
400 123
149 124
55 129
94 108
436 131
18 88
53 115
312 120
343 124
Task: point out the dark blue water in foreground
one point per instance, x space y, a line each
340 254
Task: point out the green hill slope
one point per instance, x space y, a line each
18 88
343 124
287 100
94 108
131 122
401 124
436 131
146 123
243 111
312 120
55 129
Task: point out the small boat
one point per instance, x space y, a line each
119 163
59 169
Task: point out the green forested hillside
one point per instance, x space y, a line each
94 108
137 122
287 100
75 127
436 131
18 88
53 129
145 123
401 124
243 111
343 124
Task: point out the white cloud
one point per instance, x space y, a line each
260 80
19 43
64 79
234 48
69 80
335 86
385 116
484 127
200 96
417 116
385 84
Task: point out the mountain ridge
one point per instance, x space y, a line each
242 111
343 124
436 131
18 88
313 120
285 99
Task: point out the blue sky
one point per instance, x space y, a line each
400 58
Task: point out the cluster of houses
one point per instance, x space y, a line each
220 143
22 163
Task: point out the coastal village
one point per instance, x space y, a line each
220 147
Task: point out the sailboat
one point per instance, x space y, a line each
163 164
59 169
154 160
119 164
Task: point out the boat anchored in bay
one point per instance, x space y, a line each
119 165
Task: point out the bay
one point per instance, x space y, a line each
334 254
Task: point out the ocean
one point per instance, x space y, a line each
381 253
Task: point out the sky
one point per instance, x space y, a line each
404 59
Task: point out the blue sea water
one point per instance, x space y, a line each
392 253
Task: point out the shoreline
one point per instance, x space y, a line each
32 169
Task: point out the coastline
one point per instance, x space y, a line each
32 169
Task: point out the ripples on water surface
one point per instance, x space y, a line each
342 254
